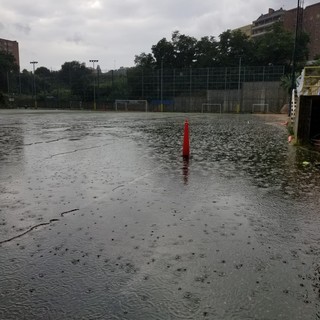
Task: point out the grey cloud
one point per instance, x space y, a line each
23 28
76 38
119 29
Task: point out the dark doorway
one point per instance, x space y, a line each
315 119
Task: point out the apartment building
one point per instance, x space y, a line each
247 30
265 21
12 47
308 21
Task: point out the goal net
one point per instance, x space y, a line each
260 108
131 105
211 107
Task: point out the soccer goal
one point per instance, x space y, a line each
131 105
260 108
211 107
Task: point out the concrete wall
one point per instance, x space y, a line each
262 97
254 97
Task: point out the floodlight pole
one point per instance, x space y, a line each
94 84
239 86
34 84
161 86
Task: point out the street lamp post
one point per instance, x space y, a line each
34 84
94 84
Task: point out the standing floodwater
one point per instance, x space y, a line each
102 218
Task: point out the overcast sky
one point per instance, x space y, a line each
114 31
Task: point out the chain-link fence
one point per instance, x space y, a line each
241 89
232 89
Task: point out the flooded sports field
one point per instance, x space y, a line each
102 218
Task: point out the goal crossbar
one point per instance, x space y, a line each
264 106
131 103
211 105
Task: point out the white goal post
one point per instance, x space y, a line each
263 107
209 106
131 105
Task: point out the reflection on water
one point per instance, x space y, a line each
11 154
236 145
11 143
123 232
185 169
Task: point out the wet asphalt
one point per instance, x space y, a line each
101 217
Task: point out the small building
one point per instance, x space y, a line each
307 114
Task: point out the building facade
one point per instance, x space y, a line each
265 21
311 25
12 47
308 21
247 30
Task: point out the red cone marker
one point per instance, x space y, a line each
186 144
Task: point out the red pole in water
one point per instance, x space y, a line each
186 144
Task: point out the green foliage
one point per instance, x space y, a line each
232 46
77 77
2 100
119 91
184 49
7 67
43 72
163 52
7 62
144 60
272 48
206 52
286 82
74 81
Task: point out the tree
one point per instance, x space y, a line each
274 47
75 75
26 82
164 52
7 67
44 80
144 60
206 52
43 72
72 70
232 46
184 49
